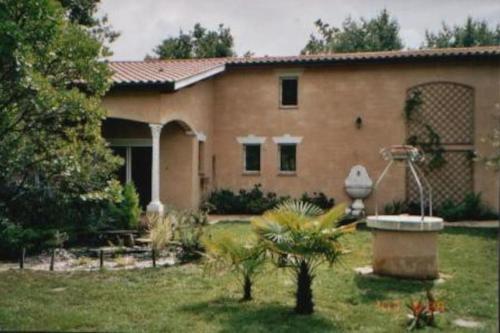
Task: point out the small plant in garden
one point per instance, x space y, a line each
308 237
161 230
123 261
126 212
244 259
396 207
188 233
422 314
82 261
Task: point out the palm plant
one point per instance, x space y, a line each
244 259
307 237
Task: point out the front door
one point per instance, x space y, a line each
137 169
141 173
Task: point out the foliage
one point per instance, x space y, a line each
51 151
422 315
377 34
160 229
124 261
198 43
13 237
396 207
471 208
318 199
431 144
125 213
255 201
471 33
307 236
412 105
246 260
181 299
58 239
188 233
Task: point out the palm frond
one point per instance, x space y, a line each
330 218
299 207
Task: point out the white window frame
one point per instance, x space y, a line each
251 140
289 140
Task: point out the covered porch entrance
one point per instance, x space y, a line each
162 160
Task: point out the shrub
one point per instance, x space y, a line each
244 259
161 230
318 199
471 208
125 213
13 237
256 201
396 207
188 233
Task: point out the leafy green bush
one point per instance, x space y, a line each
471 208
125 213
188 232
396 207
318 199
256 201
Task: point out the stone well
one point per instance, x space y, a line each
405 246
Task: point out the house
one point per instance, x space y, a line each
298 124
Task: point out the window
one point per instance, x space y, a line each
289 91
288 157
252 157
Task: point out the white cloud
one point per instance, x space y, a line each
275 27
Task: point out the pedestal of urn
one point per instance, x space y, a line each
405 246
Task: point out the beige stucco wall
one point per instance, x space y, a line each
246 101
184 114
330 99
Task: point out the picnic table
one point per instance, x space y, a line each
127 237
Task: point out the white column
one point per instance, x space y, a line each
155 205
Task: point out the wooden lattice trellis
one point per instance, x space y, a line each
452 181
448 108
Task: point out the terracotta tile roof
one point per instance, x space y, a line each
179 73
162 71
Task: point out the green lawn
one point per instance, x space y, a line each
184 299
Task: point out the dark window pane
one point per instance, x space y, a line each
121 173
288 157
289 91
252 157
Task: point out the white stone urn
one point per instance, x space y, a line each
358 186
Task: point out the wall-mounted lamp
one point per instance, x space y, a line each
358 122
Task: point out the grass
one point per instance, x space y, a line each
185 299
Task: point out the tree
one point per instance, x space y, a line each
53 160
472 33
199 43
307 237
244 259
378 34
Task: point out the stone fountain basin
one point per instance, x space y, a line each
405 222
405 246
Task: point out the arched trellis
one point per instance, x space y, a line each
447 108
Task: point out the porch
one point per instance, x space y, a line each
164 161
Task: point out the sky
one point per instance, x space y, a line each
275 27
